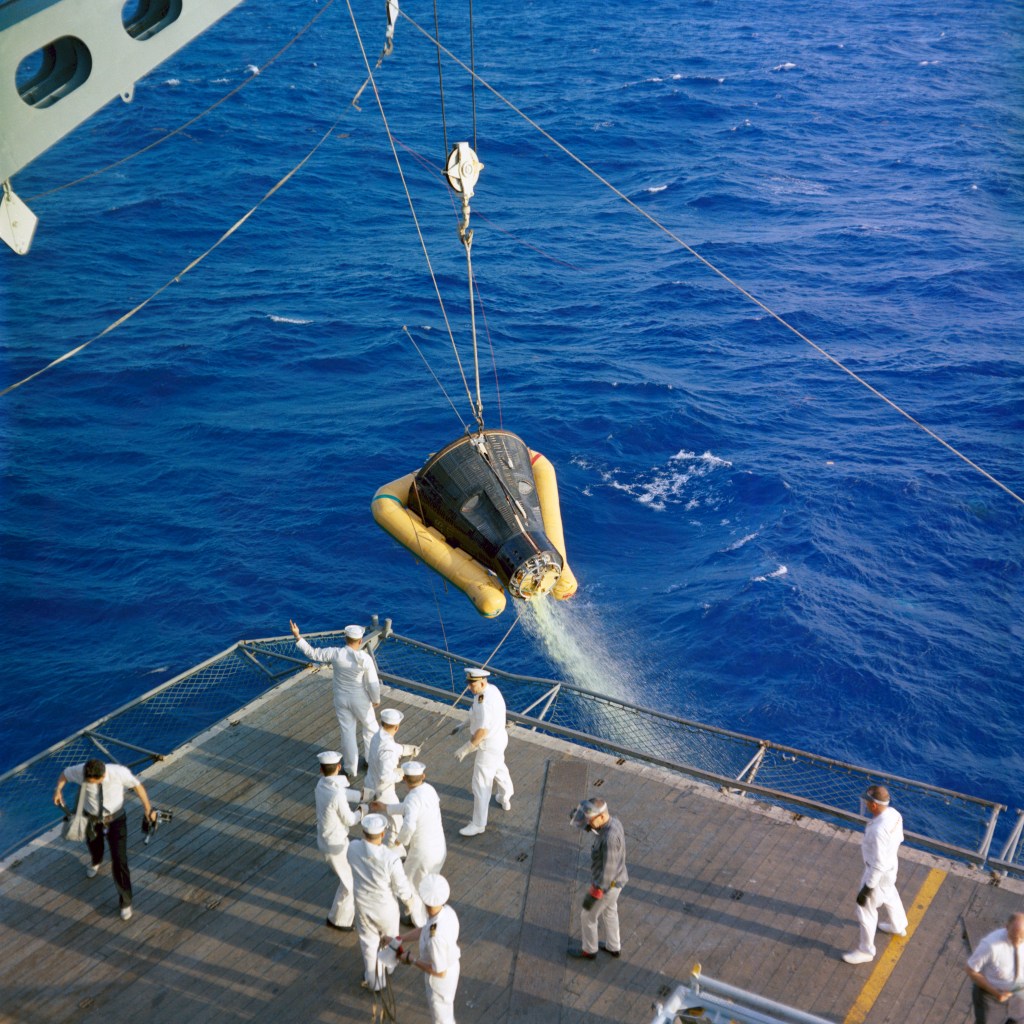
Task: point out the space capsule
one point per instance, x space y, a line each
484 513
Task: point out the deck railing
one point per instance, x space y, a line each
150 727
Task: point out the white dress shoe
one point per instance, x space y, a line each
92 871
858 957
126 913
884 926
470 830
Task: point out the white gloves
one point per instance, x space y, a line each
464 751
410 750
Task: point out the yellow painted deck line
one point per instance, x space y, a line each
888 960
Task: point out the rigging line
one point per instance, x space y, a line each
472 61
432 168
440 81
434 375
181 273
494 360
504 638
725 277
408 197
451 707
188 124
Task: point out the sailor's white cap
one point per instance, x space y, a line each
414 768
354 632
477 673
434 890
329 757
374 824
391 716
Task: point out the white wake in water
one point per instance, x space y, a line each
603 658
580 646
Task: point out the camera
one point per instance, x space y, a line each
149 826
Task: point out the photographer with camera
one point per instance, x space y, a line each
104 787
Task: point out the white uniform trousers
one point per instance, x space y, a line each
343 908
488 770
354 712
604 912
441 995
884 894
424 859
373 925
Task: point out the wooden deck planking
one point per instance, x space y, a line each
539 967
231 896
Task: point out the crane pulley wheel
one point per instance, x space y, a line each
463 169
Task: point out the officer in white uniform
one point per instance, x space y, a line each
422 833
356 690
879 848
488 738
438 955
334 817
380 882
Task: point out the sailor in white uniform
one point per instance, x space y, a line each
380 882
488 738
383 757
334 817
356 690
438 954
879 848
422 833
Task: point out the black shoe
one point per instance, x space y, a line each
611 952
581 954
338 927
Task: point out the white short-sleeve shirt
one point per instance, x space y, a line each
994 960
115 782
439 940
488 712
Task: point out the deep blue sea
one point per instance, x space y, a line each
761 542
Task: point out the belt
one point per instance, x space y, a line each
107 819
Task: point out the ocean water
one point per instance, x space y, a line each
761 542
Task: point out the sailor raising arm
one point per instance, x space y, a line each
356 690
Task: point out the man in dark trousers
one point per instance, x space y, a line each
607 877
105 786
997 969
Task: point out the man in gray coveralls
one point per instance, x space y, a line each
607 877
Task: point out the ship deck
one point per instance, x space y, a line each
230 897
